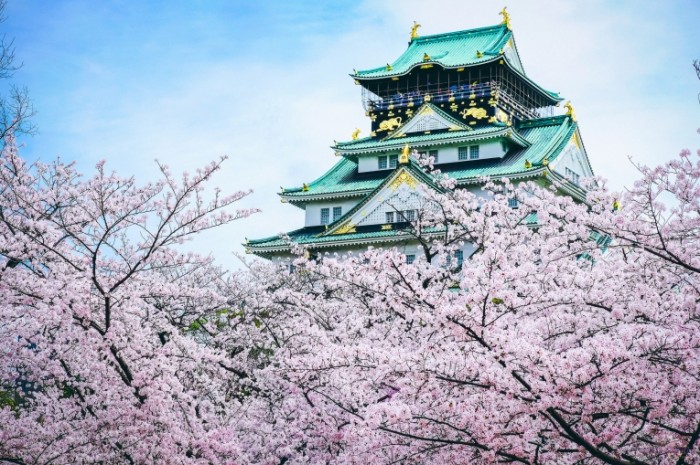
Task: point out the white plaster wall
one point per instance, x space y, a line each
403 199
492 149
313 210
574 159
370 162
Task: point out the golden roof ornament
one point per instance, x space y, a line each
426 57
414 30
305 187
479 54
570 111
403 158
356 134
528 165
506 17
389 67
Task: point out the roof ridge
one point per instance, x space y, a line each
448 35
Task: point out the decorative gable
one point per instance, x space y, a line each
428 118
573 162
398 196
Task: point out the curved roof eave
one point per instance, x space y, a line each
507 132
553 96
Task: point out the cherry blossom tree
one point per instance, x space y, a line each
572 339
105 326
569 336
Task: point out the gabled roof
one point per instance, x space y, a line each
451 50
369 145
407 173
311 235
429 113
547 136
545 139
458 49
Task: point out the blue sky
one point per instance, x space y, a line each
267 83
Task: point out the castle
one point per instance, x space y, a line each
462 98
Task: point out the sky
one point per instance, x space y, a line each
266 83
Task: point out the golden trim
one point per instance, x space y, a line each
476 113
414 30
390 124
346 228
403 158
506 17
403 178
570 111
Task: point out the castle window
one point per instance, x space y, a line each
381 162
430 153
459 255
393 161
325 216
468 153
513 202
572 175
389 217
407 215
410 258
474 152
337 213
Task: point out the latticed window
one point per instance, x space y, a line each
408 215
430 153
513 202
337 213
410 258
463 153
572 175
457 259
393 161
325 216
474 152
381 162
389 217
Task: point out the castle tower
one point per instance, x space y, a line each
461 97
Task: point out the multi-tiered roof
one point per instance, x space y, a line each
444 94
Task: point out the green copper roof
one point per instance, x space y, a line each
343 177
451 50
456 50
546 138
369 145
311 235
